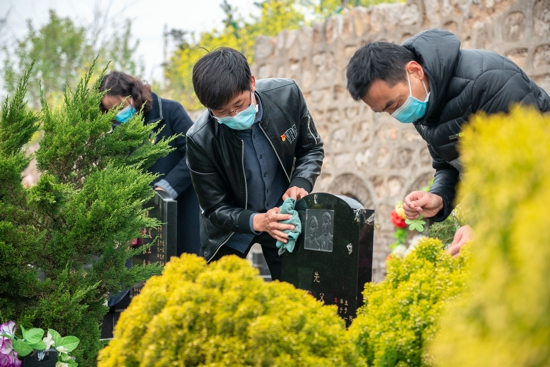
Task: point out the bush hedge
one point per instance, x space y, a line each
400 314
223 314
503 319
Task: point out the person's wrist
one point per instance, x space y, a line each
439 202
257 222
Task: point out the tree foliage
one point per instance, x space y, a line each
240 33
237 33
64 242
61 52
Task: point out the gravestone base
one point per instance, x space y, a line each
110 320
256 257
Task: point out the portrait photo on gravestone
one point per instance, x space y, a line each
318 233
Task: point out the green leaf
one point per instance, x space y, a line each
64 357
38 346
69 342
416 224
71 363
33 335
22 348
56 336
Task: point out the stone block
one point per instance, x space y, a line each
541 58
541 15
513 28
264 47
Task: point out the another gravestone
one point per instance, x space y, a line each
163 208
332 259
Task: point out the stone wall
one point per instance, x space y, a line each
369 156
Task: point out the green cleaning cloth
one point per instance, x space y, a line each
288 208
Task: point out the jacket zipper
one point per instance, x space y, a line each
456 136
244 175
309 128
273 147
245 203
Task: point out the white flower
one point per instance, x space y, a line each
62 349
61 364
399 251
48 340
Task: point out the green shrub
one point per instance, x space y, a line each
64 242
223 314
400 314
446 230
504 320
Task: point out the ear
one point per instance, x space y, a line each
253 84
415 69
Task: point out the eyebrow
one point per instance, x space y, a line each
390 102
229 109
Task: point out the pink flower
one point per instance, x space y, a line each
8 356
8 328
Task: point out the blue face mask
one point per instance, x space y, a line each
242 120
125 114
413 109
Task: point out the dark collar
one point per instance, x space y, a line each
155 114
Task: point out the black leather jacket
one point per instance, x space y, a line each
215 160
462 83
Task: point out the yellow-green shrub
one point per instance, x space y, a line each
223 314
504 320
400 314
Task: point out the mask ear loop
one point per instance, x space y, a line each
409 81
253 94
410 89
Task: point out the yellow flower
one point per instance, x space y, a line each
400 211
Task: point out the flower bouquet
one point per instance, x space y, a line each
33 342
403 227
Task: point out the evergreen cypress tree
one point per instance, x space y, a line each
64 242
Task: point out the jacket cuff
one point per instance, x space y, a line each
243 223
301 183
163 184
444 212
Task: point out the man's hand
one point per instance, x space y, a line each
269 222
462 236
295 192
158 188
422 202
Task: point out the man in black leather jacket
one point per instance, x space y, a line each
255 146
430 82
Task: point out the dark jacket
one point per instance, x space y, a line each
463 82
215 159
175 178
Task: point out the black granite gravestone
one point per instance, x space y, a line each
332 259
163 208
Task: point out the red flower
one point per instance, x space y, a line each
397 220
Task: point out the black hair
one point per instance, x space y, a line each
376 60
221 75
117 83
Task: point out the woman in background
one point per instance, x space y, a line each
174 175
